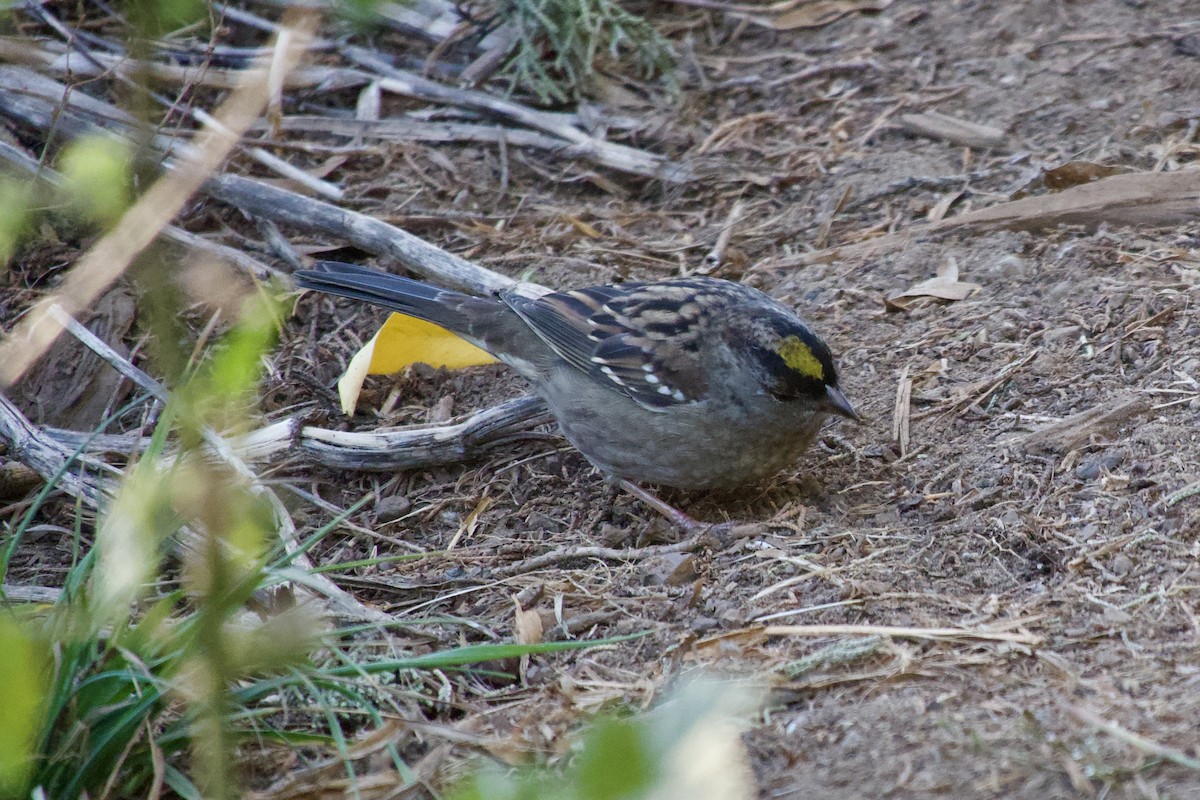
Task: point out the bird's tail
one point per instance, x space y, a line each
442 307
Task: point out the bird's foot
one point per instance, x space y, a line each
697 535
689 525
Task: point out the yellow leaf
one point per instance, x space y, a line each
403 341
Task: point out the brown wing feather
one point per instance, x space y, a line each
628 335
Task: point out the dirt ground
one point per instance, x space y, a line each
1074 543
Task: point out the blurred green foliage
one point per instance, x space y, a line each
15 214
98 171
24 667
158 17
688 747
149 672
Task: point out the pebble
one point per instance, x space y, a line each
392 508
1092 468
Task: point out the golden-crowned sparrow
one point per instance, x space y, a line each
696 383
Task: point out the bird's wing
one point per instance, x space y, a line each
626 336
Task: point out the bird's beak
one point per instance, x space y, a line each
838 404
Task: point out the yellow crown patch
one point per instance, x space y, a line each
799 357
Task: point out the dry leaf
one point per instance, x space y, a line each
527 624
946 286
1073 173
471 523
584 228
938 212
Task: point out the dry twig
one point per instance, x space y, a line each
1148 746
1077 429
900 632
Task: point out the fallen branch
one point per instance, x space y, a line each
77 60
49 458
375 236
1140 198
617 156
402 129
405 448
47 105
557 134
69 61
414 447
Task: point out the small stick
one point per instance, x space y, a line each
900 632
279 243
1129 737
717 254
101 348
953 130
277 164
822 70
558 557
902 415
47 595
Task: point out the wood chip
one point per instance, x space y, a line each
953 130
902 414
1076 430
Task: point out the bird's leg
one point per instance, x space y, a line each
678 518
